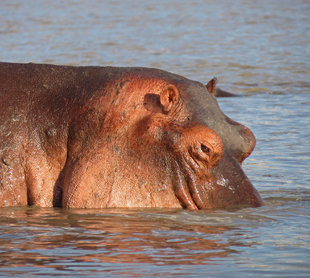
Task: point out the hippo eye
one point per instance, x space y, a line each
205 149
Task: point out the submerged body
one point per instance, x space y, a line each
97 137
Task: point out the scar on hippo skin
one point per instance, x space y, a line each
6 161
51 132
217 92
121 86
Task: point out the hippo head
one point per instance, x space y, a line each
163 142
205 148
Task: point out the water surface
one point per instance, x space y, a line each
257 49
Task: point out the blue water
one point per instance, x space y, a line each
258 49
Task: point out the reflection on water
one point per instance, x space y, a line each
118 236
86 242
257 49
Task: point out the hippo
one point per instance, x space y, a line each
104 137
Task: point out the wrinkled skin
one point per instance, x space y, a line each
97 137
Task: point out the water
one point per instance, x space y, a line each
258 49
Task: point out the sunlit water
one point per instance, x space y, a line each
257 49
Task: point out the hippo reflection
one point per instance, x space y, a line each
97 137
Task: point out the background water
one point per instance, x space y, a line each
258 49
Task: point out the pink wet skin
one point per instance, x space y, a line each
97 137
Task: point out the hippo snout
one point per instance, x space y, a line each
231 186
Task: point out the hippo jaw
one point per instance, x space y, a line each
205 175
223 186
229 187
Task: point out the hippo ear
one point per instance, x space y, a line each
211 86
169 97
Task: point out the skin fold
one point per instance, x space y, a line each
98 137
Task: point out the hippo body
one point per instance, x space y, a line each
98 137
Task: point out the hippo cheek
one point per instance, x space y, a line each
189 188
199 150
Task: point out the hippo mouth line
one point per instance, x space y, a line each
188 186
